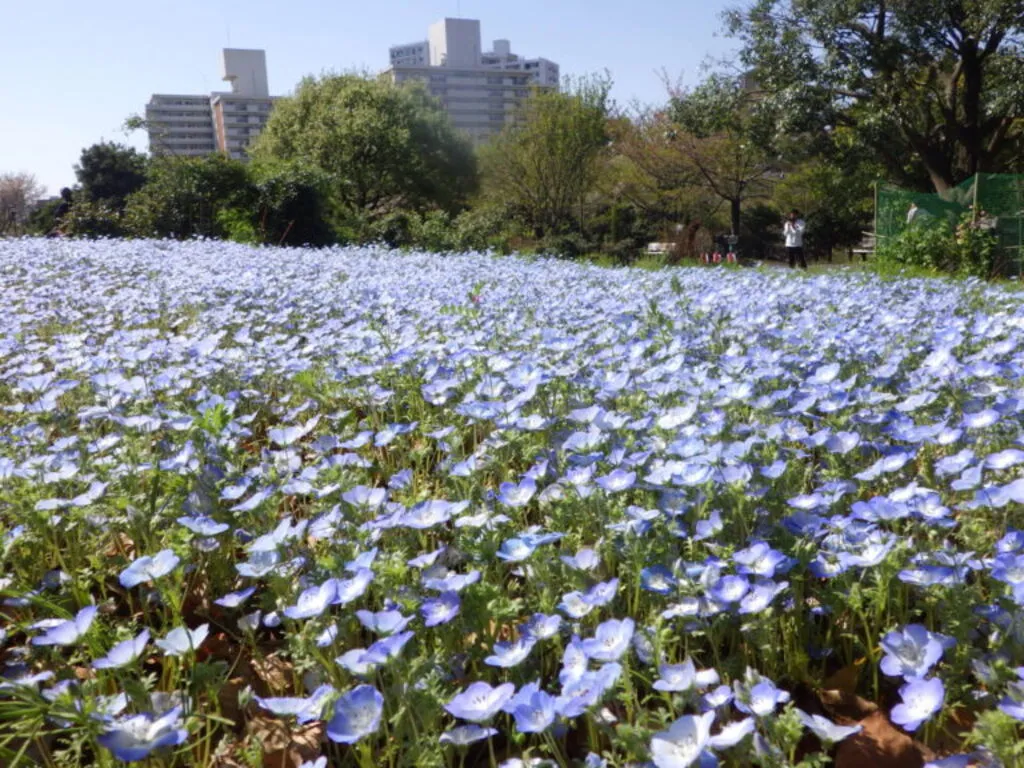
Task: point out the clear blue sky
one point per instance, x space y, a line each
71 71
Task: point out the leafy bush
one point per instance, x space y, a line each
968 250
184 197
88 218
237 225
434 231
292 205
569 245
483 227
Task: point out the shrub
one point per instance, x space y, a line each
88 218
968 250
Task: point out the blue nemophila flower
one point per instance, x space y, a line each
304 710
536 714
759 559
910 652
425 560
356 714
658 579
826 730
285 436
517 495
610 640
921 699
61 632
428 514
574 606
617 480
325 638
149 568
712 526
1013 703
584 560
203 526
363 497
981 419
347 590
516 550
729 589
574 661
1005 459
388 648
480 702
757 695
683 742
511 654
718 697
182 640
464 735
383 622
313 601
358 662
124 653
959 761
235 599
441 609
254 501
601 593
542 626
441 581
581 693
762 593
733 733
676 677
133 738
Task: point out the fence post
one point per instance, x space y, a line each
875 184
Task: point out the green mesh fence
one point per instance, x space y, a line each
999 201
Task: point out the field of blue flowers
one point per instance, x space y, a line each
267 507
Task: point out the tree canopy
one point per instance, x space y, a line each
546 160
109 172
383 146
934 87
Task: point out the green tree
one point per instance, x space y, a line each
383 147
186 196
544 163
291 205
941 81
834 190
726 134
109 172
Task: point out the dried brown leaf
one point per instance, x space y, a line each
880 745
273 675
846 678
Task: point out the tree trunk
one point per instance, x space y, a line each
970 131
734 214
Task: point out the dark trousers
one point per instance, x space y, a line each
793 253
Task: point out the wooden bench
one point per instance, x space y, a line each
866 247
660 249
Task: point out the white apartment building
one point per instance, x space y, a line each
194 125
479 89
543 72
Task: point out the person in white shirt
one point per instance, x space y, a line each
793 229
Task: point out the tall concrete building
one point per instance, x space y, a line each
479 89
227 122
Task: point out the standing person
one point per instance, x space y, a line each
912 213
793 229
60 212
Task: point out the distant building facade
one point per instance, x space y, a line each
195 125
479 89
